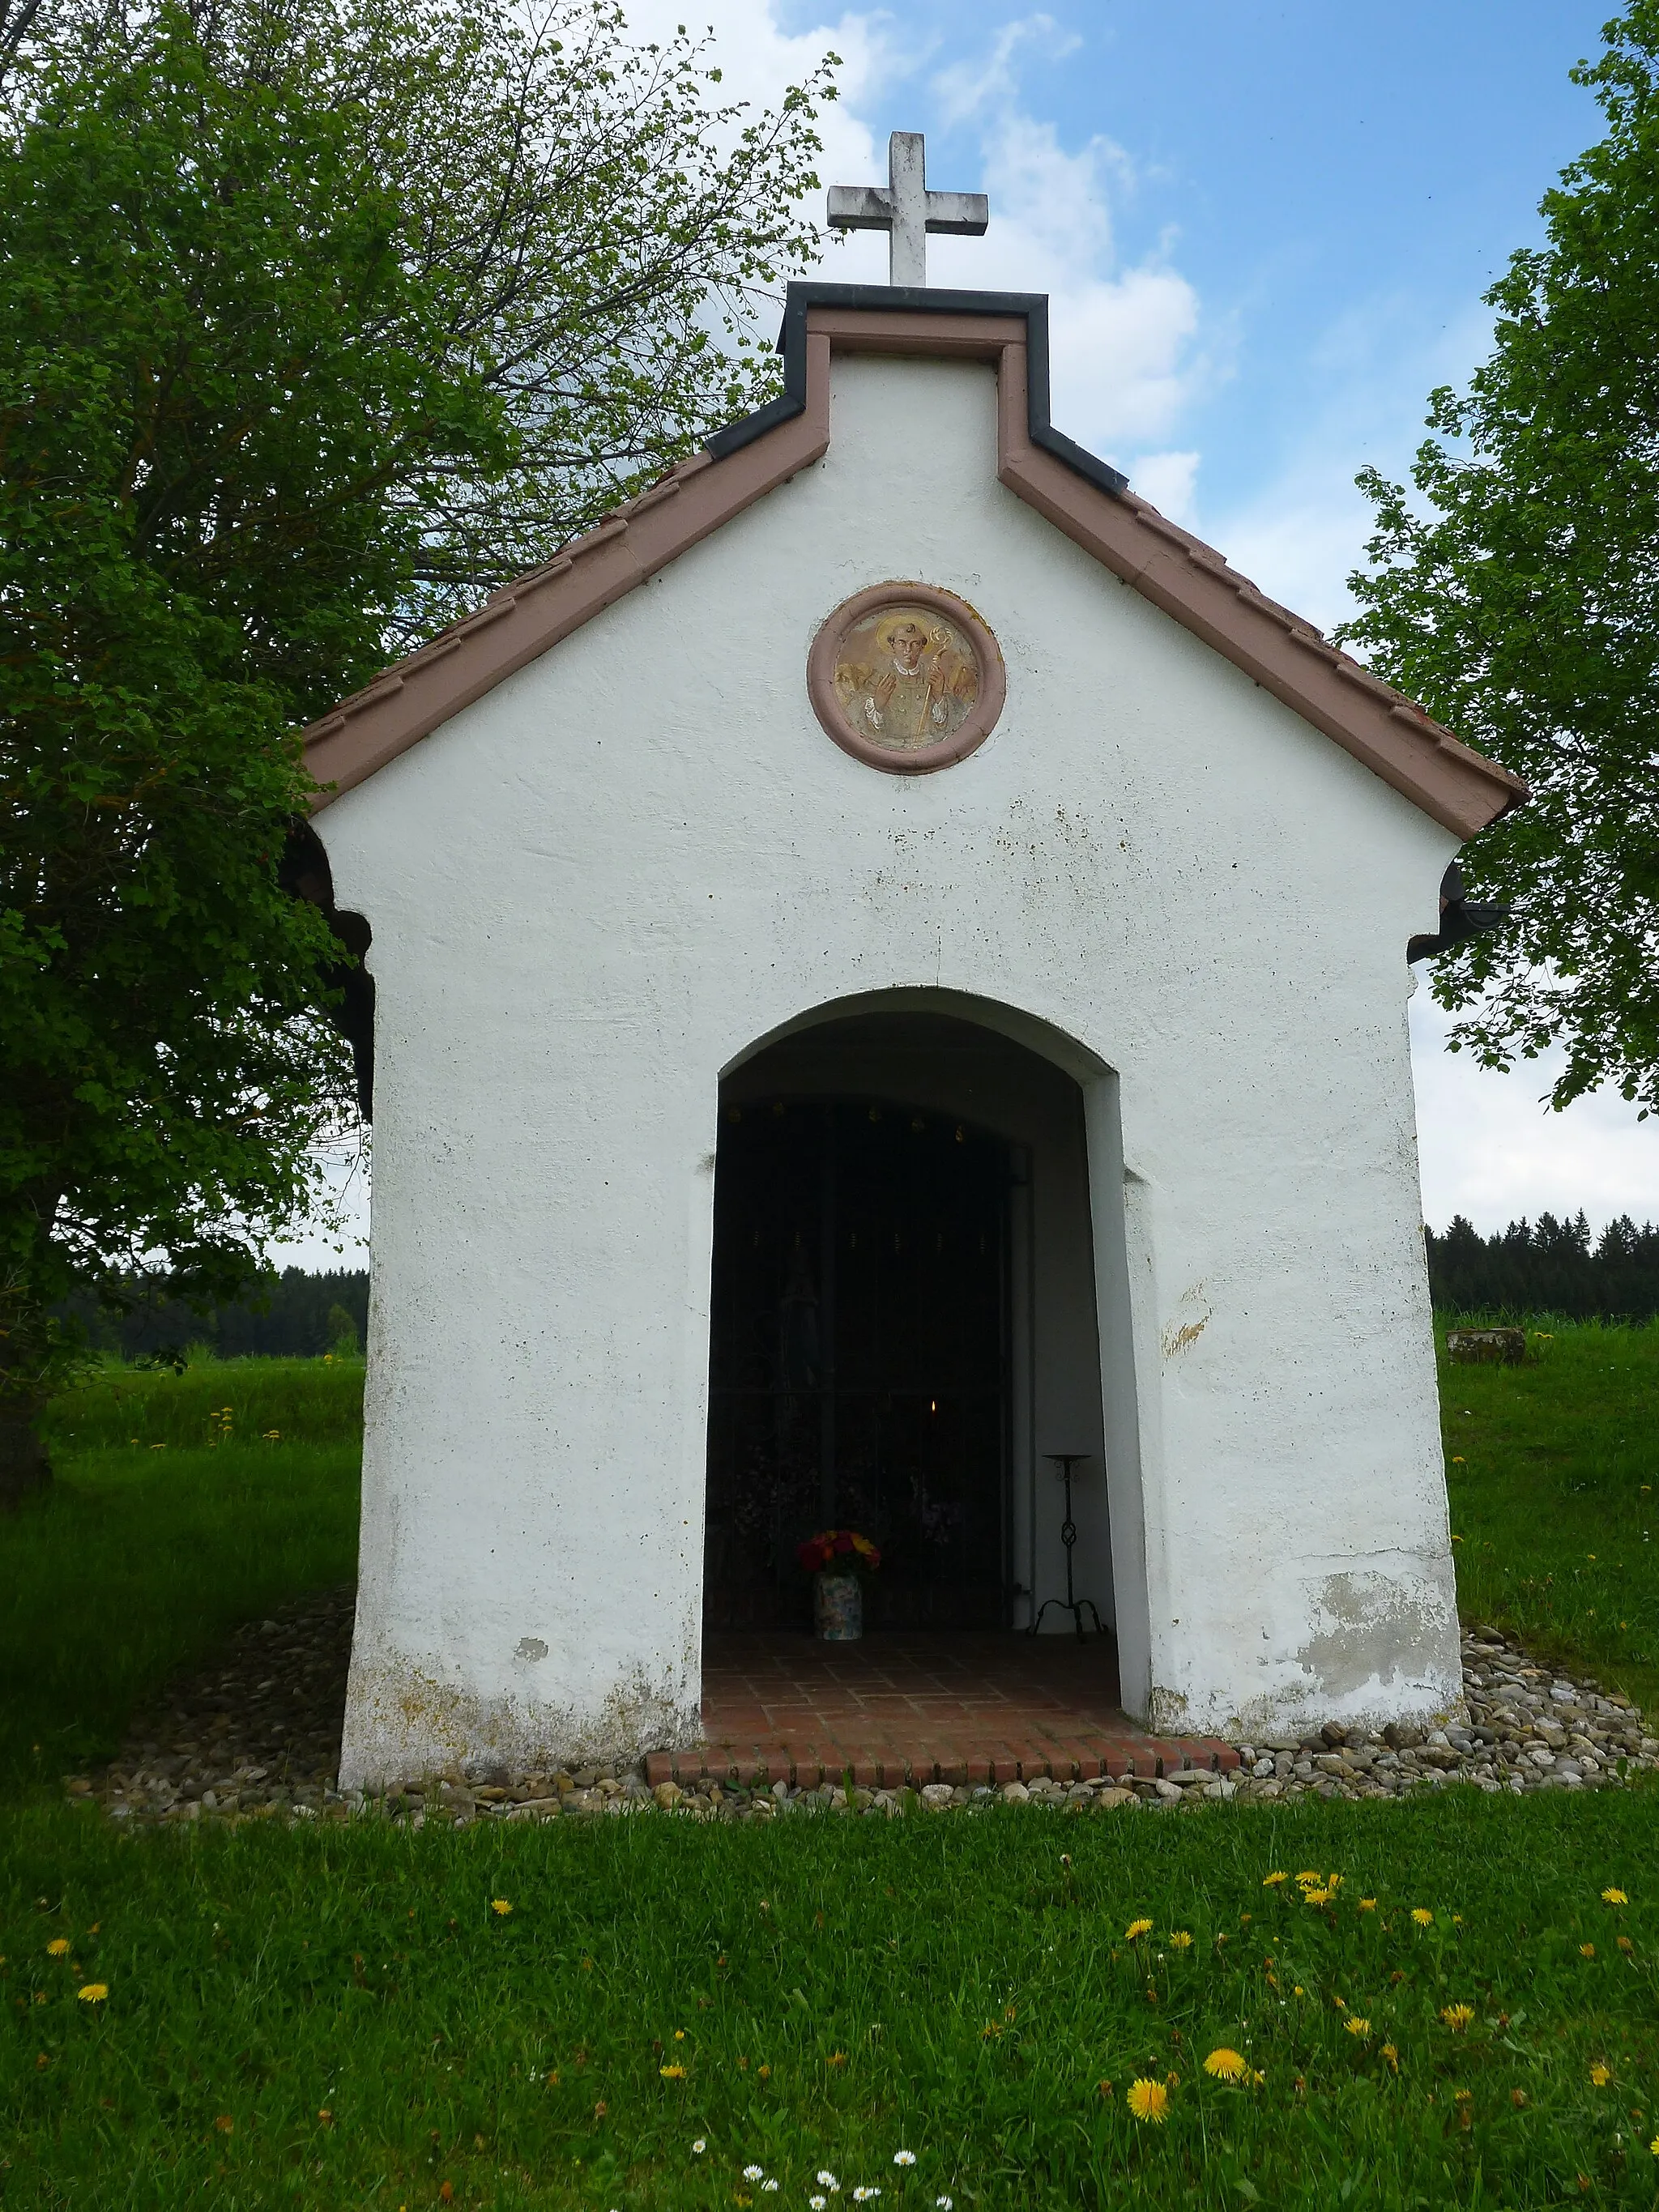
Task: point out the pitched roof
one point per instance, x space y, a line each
1090 502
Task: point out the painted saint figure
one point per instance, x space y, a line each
916 685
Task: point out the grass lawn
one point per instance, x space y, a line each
170 1523
342 2018
1553 1469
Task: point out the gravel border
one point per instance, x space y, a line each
258 1738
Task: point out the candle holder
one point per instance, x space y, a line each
1072 1603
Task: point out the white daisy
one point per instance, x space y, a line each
817 2204
699 2147
827 2180
862 2195
904 2158
753 2172
943 2203
769 2185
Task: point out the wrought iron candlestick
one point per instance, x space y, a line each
1072 1603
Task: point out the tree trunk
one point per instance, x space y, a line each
25 1467
25 1350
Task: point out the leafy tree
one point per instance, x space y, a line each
1519 599
319 320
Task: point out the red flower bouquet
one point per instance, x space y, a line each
838 1549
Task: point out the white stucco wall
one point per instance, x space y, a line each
592 891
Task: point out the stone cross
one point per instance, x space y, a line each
906 209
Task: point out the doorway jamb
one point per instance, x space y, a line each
1123 1304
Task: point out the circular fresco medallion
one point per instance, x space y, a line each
906 678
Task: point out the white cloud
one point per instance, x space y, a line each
757 61
1302 531
1170 482
1490 1149
968 86
1122 337
1301 540
320 1249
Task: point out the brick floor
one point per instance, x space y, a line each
920 1708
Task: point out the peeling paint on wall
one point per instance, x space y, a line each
404 1721
1366 1622
1180 1333
1166 1712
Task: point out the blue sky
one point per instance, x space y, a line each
1337 184
1265 232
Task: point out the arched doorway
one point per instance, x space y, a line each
903 1323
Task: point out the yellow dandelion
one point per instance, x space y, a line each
1356 2026
1315 1897
1180 1941
1422 1916
1148 2101
1305 1879
1368 1904
1273 1880
1654 2146
1333 1882
92 1993
502 1906
1457 2017
1614 1897
671 2073
57 1946
1391 2052
1136 1929
1624 1943
1587 1950
1601 2074
1226 2065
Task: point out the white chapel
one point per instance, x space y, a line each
888 969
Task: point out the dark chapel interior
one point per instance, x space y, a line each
858 1361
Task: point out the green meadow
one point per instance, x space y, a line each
560 2015
184 1505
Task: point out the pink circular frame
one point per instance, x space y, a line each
981 717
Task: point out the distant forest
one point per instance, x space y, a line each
1547 1267
1543 1267
295 1314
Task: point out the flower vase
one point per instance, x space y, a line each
838 1608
